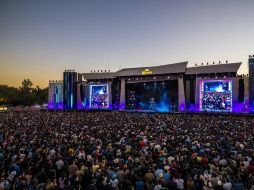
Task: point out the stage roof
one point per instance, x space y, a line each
166 69
218 68
99 75
156 70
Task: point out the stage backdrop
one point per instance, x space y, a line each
158 96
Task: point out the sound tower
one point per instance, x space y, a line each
70 79
187 92
82 93
241 90
251 82
192 90
115 88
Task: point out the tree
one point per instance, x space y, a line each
26 86
25 95
10 95
40 95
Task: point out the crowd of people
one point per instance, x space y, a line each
217 101
125 151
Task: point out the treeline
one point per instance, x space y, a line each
25 95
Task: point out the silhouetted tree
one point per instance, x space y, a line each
25 95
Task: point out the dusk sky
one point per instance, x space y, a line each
39 39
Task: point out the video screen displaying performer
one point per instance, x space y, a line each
99 96
216 95
159 96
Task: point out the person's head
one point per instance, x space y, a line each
114 176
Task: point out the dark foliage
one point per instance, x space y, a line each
25 95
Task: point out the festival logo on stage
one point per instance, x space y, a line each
147 72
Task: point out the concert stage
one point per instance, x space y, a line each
165 88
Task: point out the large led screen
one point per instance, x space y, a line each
159 96
99 96
216 95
